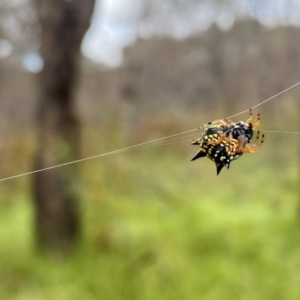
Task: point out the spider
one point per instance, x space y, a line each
223 141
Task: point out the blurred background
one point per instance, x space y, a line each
146 224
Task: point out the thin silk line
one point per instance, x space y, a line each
88 158
279 131
263 102
135 147
100 155
161 142
164 144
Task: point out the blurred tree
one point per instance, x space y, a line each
64 24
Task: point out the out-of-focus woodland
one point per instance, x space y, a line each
145 224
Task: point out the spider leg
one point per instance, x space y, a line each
261 141
255 125
220 122
257 138
241 143
229 121
249 121
254 147
218 141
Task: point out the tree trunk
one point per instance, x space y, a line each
64 24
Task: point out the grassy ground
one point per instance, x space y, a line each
157 226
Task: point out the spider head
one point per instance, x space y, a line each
242 129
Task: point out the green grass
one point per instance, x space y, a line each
209 251
157 226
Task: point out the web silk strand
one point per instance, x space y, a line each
265 101
154 143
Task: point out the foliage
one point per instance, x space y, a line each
157 226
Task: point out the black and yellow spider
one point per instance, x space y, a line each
223 141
